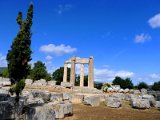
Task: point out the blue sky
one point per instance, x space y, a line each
122 35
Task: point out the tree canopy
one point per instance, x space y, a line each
124 83
20 53
142 85
58 74
39 71
156 86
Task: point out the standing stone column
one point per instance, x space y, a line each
72 76
91 73
82 76
65 73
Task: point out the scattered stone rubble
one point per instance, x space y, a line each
44 105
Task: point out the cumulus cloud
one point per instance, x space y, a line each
107 75
141 38
57 49
3 62
50 67
48 57
63 8
154 22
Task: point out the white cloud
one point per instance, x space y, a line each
107 75
48 57
155 76
154 22
3 62
141 38
63 8
50 66
57 50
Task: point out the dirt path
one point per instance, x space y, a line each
83 112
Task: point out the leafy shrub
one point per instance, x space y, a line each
124 83
156 86
142 85
105 87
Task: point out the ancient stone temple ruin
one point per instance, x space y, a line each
76 60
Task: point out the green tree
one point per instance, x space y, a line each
58 75
39 71
156 86
98 85
5 73
142 85
20 53
124 83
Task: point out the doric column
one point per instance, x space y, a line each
72 76
82 76
91 73
65 73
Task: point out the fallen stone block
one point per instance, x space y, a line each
113 102
92 100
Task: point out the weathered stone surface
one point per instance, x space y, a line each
67 84
110 89
67 96
121 91
87 90
136 92
4 97
28 81
35 101
56 96
143 91
4 81
3 91
120 96
63 109
92 100
77 98
39 82
45 95
157 104
150 98
113 102
127 97
115 88
126 90
8 108
140 103
43 112
51 83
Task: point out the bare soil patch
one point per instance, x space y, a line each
84 112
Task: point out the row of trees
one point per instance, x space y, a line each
39 72
127 83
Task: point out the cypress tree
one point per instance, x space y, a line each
20 53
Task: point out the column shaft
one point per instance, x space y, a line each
91 73
72 76
65 73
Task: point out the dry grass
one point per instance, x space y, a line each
83 112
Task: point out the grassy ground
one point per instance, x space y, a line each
83 112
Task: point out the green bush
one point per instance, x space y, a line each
156 86
105 87
124 83
142 85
